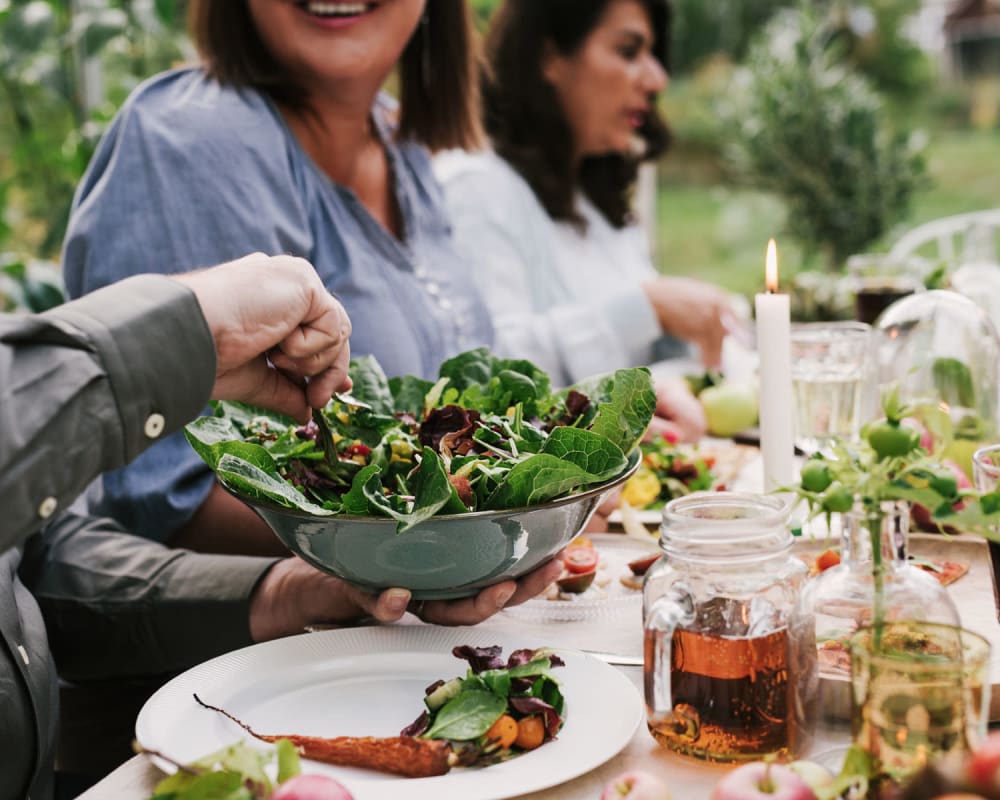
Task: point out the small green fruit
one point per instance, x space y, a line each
729 408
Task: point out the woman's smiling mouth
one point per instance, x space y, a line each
334 10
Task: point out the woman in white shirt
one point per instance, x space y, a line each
545 220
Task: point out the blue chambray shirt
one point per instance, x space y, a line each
191 174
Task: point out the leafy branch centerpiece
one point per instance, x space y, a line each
910 622
892 464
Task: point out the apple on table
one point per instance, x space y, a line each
759 780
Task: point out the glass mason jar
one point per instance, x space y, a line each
840 600
715 616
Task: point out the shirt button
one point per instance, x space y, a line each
154 425
432 289
445 304
47 507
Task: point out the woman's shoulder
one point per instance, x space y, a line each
483 178
185 108
451 166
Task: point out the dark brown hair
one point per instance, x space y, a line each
525 119
439 95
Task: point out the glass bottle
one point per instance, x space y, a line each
838 601
715 614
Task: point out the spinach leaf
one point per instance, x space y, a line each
356 500
592 453
212 438
251 481
408 393
431 489
538 478
467 369
242 414
370 385
467 716
623 419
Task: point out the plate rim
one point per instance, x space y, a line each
333 645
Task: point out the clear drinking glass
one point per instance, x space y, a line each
830 370
986 468
921 690
837 602
879 280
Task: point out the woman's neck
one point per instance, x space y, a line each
340 137
337 136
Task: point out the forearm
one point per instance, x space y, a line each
116 605
84 389
223 524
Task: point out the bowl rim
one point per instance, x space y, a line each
634 460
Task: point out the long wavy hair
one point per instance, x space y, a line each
438 91
525 120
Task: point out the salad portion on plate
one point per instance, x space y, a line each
671 469
358 687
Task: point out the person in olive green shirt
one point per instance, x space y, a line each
86 387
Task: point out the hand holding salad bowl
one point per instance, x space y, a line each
442 488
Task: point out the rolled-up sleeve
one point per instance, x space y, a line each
87 386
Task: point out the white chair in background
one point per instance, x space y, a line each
954 240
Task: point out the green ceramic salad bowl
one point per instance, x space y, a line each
446 556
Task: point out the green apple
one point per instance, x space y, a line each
729 408
960 451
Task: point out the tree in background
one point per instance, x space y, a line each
65 67
806 127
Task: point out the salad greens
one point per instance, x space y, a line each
236 772
489 434
463 710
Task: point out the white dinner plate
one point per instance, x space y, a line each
370 682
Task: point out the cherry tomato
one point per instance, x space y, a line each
889 439
580 559
576 582
357 449
503 731
530 732
640 565
671 437
815 476
984 765
827 559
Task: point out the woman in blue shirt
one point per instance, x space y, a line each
282 143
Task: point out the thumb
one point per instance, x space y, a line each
272 389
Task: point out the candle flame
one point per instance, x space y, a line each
771 267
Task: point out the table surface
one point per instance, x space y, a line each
620 633
136 778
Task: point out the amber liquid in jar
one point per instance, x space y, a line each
730 696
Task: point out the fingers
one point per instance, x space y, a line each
389 606
473 610
535 582
598 523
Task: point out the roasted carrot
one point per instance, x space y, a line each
408 756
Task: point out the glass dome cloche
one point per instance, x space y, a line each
943 353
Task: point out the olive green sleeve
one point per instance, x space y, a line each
85 387
117 605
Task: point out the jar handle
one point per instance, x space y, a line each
673 609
